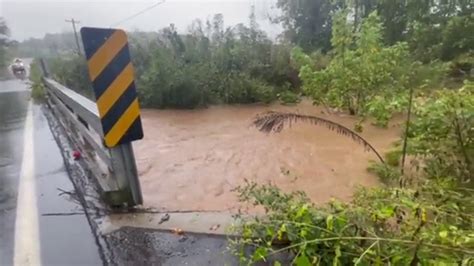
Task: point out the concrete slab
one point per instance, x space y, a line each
213 223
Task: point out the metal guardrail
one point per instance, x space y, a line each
114 168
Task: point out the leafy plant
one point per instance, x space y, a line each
364 77
442 133
387 173
429 225
37 87
288 97
393 156
71 71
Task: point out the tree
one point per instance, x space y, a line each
364 77
458 37
434 28
4 32
307 23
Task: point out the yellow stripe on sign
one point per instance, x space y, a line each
123 124
106 53
115 90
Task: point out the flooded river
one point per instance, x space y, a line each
192 159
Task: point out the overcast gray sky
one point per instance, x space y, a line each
34 18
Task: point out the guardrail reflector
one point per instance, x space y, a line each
112 77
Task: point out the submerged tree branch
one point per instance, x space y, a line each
275 122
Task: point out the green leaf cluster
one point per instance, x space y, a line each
442 133
364 77
431 224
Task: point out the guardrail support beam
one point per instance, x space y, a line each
119 180
125 172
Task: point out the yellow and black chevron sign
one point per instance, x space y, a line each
111 73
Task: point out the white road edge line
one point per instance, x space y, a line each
27 242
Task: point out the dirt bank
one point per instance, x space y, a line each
192 159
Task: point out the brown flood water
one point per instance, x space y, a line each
192 159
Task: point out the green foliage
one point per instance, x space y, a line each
387 173
364 77
455 41
393 156
442 33
442 133
211 65
427 225
307 23
383 107
430 76
71 71
433 29
37 87
299 58
315 61
288 97
462 66
4 32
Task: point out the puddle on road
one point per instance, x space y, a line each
192 159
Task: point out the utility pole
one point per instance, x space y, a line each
74 22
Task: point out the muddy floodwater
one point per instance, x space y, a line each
192 159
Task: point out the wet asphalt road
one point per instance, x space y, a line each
62 239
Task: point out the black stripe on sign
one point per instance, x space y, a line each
134 132
119 107
111 71
93 39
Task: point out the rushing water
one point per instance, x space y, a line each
192 159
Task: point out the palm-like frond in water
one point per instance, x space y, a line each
275 122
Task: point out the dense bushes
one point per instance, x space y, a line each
364 77
37 87
442 134
212 65
71 71
421 218
209 64
429 224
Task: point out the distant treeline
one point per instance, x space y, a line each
211 63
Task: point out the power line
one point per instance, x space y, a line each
137 14
74 22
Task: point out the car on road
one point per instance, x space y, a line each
18 68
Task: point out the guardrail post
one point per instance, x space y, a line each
125 171
44 68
